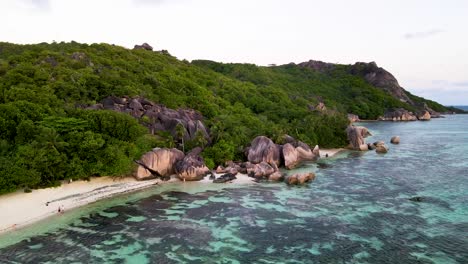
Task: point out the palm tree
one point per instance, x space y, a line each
180 133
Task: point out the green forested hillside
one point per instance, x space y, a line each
47 136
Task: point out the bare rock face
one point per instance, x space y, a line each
192 167
295 155
300 178
158 117
319 66
353 118
356 135
160 161
424 115
144 46
81 56
395 140
399 114
263 149
381 79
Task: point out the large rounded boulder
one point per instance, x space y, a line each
263 149
192 167
356 135
395 140
424 115
295 155
160 162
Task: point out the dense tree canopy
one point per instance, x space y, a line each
47 136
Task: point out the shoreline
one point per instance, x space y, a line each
21 209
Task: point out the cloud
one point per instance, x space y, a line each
149 2
462 84
423 34
35 4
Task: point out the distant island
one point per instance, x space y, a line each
72 111
462 107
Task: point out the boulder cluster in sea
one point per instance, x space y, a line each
357 135
264 158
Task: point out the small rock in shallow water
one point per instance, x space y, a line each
395 140
225 178
381 149
378 143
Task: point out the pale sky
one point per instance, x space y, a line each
424 43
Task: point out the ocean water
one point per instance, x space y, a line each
356 211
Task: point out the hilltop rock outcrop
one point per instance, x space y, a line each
144 46
157 117
380 78
192 167
319 66
160 162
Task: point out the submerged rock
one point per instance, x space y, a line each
192 167
416 199
431 200
323 165
160 162
300 178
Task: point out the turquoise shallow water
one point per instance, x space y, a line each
356 211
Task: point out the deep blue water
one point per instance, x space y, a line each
356 211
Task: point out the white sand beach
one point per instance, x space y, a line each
19 209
